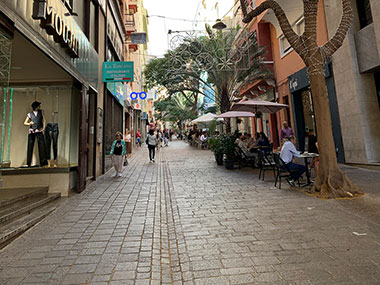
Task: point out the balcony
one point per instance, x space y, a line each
133 47
130 24
132 6
366 49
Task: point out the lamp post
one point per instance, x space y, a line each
219 25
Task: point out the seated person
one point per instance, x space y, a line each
288 153
250 140
264 142
244 147
240 142
203 137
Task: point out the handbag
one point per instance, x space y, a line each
125 162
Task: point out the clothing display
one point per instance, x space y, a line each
41 148
37 118
36 132
51 135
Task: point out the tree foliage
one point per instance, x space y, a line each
176 109
187 75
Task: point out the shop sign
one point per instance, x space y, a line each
137 106
141 95
54 19
118 71
300 80
138 38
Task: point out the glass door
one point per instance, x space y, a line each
6 93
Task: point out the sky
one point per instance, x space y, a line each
180 9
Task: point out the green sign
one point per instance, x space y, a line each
118 71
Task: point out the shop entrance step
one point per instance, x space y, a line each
20 209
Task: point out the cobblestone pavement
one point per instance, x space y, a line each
185 220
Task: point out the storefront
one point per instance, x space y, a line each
48 77
114 91
303 111
113 121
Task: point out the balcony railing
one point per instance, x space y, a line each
132 6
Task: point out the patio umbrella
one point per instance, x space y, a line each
205 119
236 114
257 106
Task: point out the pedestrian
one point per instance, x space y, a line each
286 132
288 154
128 141
118 153
159 139
151 141
166 137
138 137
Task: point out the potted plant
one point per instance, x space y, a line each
216 147
229 149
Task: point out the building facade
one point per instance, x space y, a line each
357 80
137 106
52 52
290 83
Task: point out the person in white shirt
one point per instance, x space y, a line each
203 137
288 153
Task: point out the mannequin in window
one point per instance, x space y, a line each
36 122
51 136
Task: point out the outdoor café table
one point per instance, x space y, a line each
306 156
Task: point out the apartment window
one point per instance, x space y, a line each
285 47
92 23
365 13
299 28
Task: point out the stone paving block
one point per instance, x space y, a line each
77 279
184 220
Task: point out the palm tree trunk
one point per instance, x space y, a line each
331 181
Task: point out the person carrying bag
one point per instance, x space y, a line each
118 153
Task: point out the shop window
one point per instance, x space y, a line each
56 138
364 12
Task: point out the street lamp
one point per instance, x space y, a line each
219 25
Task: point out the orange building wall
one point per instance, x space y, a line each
291 63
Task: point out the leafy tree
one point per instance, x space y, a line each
214 53
175 109
331 181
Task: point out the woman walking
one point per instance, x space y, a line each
151 141
128 141
118 152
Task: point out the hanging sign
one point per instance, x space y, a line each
138 38
118 71
141 95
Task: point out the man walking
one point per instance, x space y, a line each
286 132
